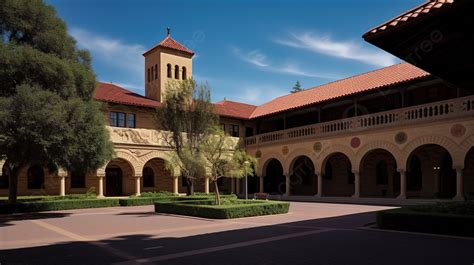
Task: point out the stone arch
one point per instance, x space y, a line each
132 160
326 154
379 173
263 162
448 144
157 154
291 158
465 147
387 146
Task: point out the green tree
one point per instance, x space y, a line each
223 158
296 87
47 114
187 114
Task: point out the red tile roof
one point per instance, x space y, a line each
112 93
234 109
170 43
417 12
380 78
108 92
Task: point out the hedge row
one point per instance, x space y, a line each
137 201
201 208
62 203
426 222
39 206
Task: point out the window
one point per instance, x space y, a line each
35 177
184 73
168 70
78 180
4 177
382 173
156 71
148 177
149 76
120 119
176 72
131 120
117 119
235 131
113 119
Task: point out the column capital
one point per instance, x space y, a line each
356 172
62 173
458 168
401 170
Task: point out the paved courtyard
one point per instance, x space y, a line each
312 233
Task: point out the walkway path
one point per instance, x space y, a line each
312 233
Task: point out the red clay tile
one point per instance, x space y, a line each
380 78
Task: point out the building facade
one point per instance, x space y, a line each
397 132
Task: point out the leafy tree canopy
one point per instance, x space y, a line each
47 114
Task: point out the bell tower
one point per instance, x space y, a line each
167 60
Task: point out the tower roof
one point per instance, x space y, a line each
170 43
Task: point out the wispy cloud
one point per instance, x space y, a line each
256 93
260 60
117 55
342 49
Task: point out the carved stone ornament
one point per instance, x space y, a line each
401 137
355 142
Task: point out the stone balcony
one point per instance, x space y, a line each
441 110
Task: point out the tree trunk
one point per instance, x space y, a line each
189 187
13 183
218 196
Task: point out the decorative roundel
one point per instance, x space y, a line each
355 142
258 154
317 146
285 150
458 130
401 137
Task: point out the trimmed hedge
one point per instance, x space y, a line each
137 201
407 219
203 208
68 204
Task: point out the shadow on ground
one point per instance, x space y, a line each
334 241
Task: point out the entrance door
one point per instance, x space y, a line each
113 182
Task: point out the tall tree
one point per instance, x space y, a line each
187 114
47 114
297 87
223 158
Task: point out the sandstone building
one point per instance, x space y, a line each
398 132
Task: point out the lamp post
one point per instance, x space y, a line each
246 163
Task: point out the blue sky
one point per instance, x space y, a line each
249 51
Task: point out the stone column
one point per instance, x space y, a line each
262 183
137 185
288 185
403 184
459 185
206 185
319 179
175 185
356 184
100 193
62 174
